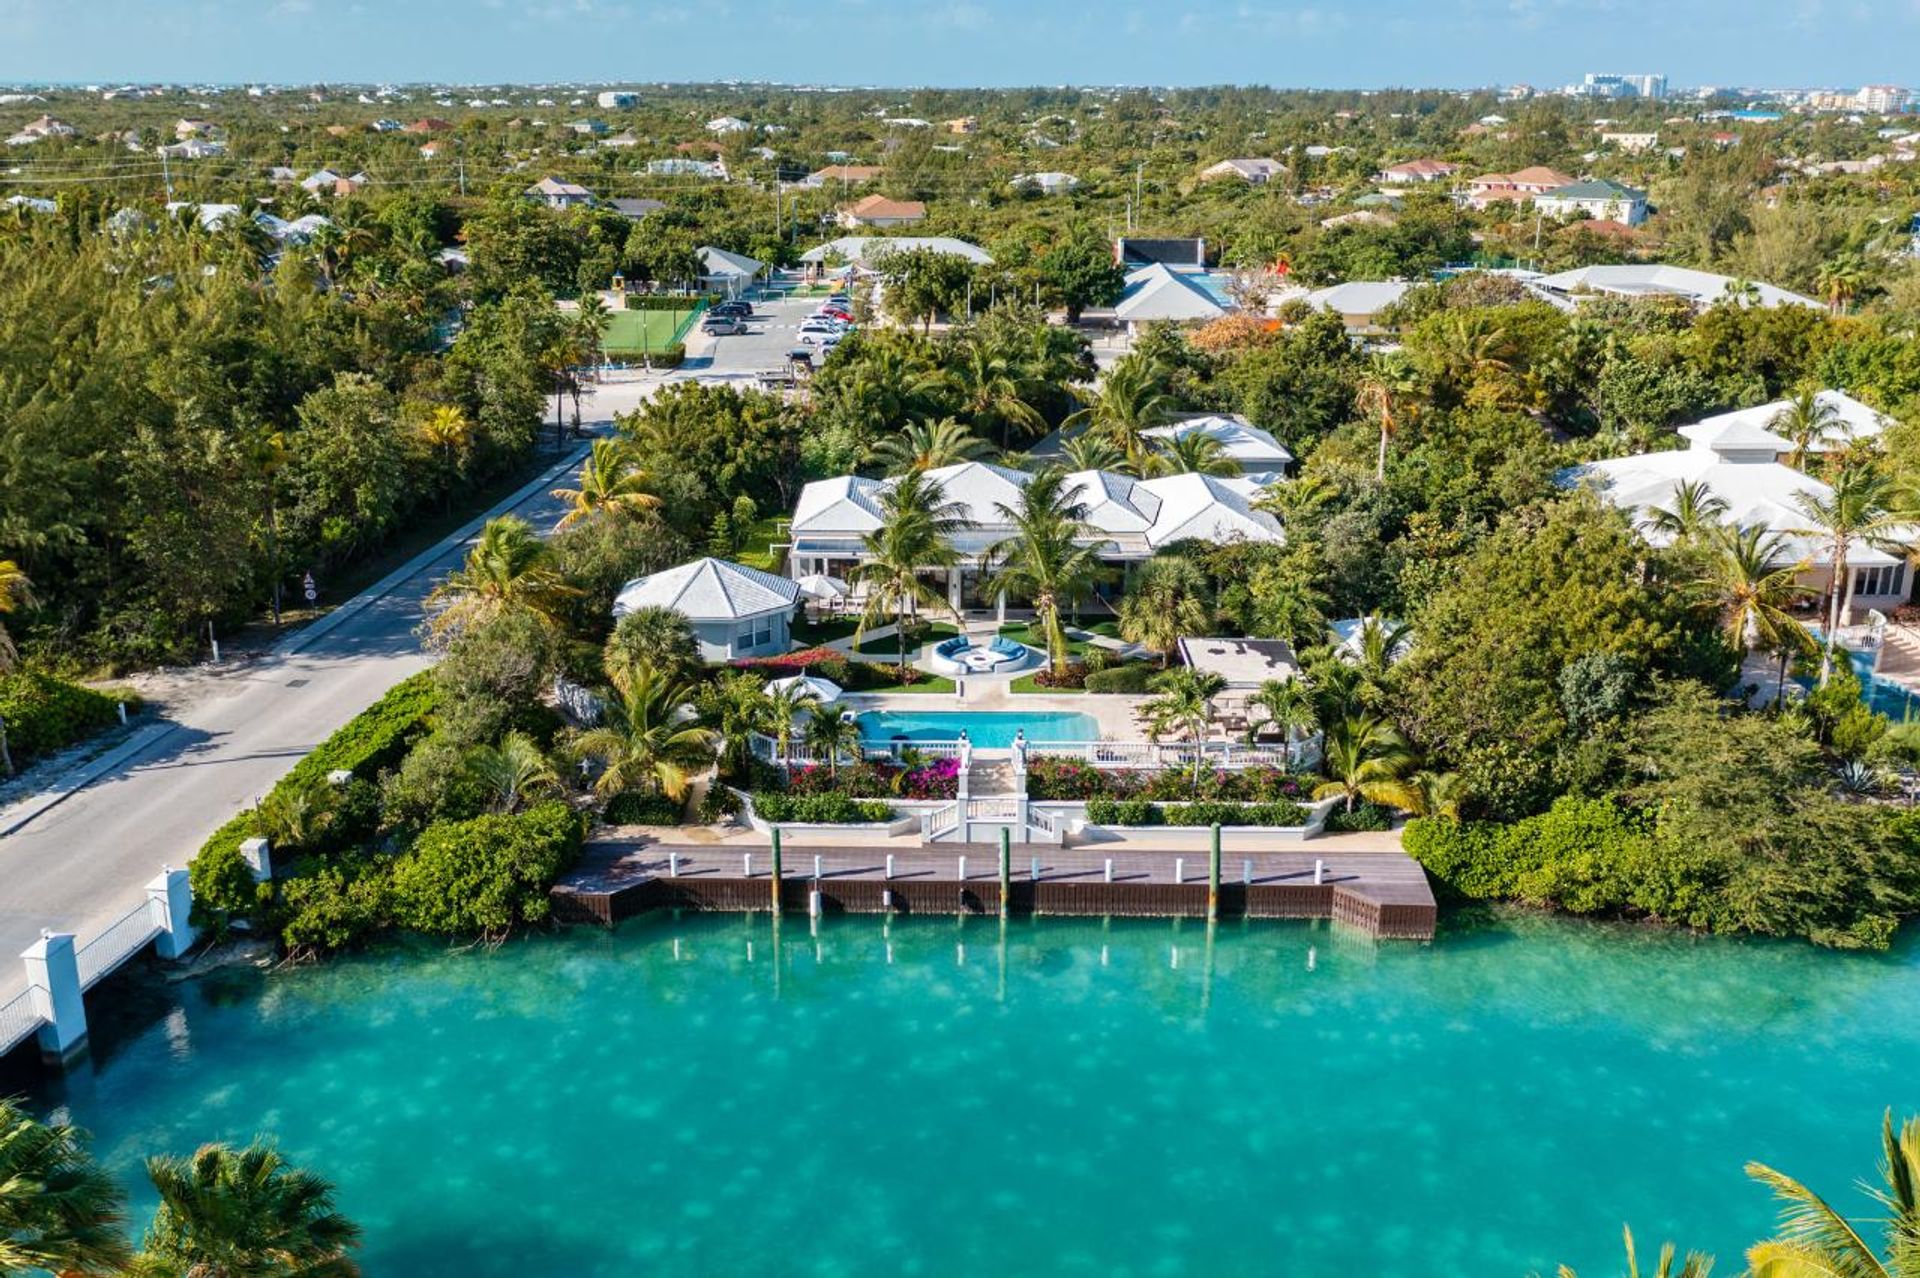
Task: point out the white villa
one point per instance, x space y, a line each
1700 288
865 252
1738 462
1260 456
1134 518
1158 292
735 611
1853 422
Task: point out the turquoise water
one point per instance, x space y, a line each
680 1097
988 729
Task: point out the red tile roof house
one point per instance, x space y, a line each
1418 171
1524 185
878 210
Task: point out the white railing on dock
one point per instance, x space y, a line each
940 820
122 939
19 1019
990 810
1043 821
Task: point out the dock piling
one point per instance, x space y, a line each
816 867
1109 869
1213 876
1035 866
776 874
1319 872
1246 872
1006 869
889 871
963 871
673 865
746 865
1179 869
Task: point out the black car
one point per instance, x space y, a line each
740 310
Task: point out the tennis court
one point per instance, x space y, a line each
636 332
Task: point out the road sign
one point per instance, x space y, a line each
307 588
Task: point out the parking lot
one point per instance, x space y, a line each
772 330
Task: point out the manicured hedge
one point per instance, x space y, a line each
1365 817
641 809
665 357
44 714
819 809
670 301
1131 677
1145 812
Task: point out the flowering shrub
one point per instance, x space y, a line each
825 662
1073 780
1074 676
939 779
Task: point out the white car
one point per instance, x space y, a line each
826 341
822 326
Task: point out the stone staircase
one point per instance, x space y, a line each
993 798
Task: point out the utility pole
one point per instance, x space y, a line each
460 166
1138 170
166 174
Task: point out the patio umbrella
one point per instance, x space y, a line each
826 691
821 586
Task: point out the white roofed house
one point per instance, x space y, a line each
729 273
1697 288
1131 519
1847 422
1158 292
1259 456
735 611
1255 171
1360 303
558 194
1735 459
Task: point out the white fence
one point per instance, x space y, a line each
1177 754
18 1020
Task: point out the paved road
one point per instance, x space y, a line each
83 861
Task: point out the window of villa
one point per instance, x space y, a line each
1889 579
763 632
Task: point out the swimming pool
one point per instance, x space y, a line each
987 729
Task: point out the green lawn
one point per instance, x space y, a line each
634 332
890 646
758 552
925 683
814 633
1031 634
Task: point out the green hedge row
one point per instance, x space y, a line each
43 714
1130 677
665 357
670 301
1146 812
376 738
819 809
641 809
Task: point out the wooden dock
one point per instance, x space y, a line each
1385 894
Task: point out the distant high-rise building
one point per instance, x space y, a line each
1624 86
1881 99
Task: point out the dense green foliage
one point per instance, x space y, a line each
819 809
1210 812
486 876
41 713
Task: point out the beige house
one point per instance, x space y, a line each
878 210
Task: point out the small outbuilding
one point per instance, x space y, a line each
735 611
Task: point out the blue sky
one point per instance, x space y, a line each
1313 43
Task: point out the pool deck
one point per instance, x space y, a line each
1383 893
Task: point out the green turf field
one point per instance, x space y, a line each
632 332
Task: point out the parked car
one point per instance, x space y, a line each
723 325
834 312
823 326
825 339
739 310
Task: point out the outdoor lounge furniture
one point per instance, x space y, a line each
963 655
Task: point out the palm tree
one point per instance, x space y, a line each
512 771
1696 1265
240 1213
1366 757
1385 394
1748 581
1435 794
1805 420
917 524
829 735
450 431
989 389
929 445
611 482
1839 280
1286 706
1167 599
1184 705
1474 350
649 739
1378 645
1131 400
1088 451
509 570
1192 454
1854 509
1696 510
1815 1241
16 592
1052 556
781 706
58 1210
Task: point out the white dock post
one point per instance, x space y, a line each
1036 869
1109 869
1319 872
816 867
746 865
259 858
1246 871
170 897
53 978
813 901
963 869
889 869
1179 869
673 865
121 706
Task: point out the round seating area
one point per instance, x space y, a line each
963 655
